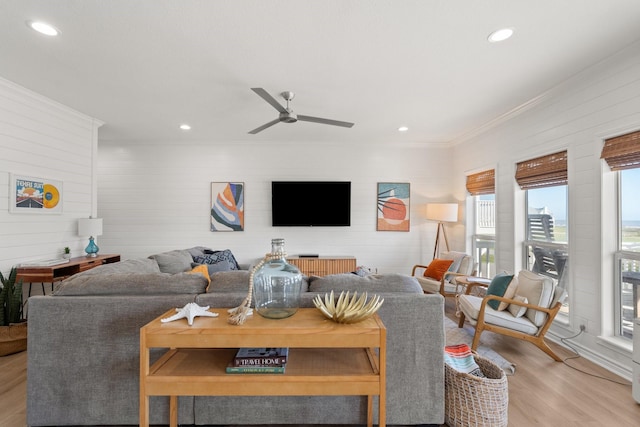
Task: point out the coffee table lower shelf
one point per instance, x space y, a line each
325 359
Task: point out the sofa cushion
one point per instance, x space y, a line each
138 265
218 256
436 269
393 282
229 281
132 284
173 262
238 281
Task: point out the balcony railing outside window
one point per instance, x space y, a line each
484 237
628 275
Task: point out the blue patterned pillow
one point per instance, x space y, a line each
218 256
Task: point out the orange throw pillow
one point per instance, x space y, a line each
437 268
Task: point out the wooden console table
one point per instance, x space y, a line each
54 273
325 359
324 265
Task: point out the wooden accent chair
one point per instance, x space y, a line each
462 266
527 321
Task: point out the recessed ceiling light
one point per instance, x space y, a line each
43 28
403 129
185 127
500 35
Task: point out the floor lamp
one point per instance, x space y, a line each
442 212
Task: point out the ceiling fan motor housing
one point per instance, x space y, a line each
288 117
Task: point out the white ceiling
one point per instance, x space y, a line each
145 66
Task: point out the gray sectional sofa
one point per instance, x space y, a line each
83 348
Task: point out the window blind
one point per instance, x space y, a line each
622 152
544 171
482 182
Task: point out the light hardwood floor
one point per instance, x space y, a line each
541 393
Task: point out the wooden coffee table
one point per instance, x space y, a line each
325 359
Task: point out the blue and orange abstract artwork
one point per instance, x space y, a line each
227 206
393 206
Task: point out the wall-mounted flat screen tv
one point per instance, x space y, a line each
311 203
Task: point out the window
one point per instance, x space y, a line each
546 245
481 186
622 154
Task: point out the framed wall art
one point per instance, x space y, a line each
227 206
393 206
29 194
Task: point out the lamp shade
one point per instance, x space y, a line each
90 227
442 212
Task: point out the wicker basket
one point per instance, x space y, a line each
476 401
13 338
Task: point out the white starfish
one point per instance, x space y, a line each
190 311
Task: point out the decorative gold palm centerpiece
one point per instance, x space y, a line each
348 309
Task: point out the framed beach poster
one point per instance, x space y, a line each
29 194
227 206
393 206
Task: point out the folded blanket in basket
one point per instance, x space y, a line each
460 358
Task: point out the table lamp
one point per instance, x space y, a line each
90 227
442 212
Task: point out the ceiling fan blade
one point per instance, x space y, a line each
324 121
264 126
270 99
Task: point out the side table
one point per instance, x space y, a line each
54 273
197 357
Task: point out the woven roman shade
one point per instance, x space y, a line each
482 182
545 171
622 152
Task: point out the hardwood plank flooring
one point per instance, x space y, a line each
541 393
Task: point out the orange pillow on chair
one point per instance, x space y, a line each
437 268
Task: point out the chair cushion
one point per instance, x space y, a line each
498 287
457 258
538 290
437 268
470 306
433 286
518 310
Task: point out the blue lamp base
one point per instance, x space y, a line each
92 248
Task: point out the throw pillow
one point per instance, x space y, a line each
201 269
539 291
218 256
460 358
509 293
214 268
176 261
498 287
518 310
437 268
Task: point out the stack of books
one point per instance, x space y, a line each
259 361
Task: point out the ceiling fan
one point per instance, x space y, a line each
287 115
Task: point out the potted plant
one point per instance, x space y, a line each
13 328
67 252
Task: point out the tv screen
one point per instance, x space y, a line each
311 203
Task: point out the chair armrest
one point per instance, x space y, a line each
550 311
472 285
415 267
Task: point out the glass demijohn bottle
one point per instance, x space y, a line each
276 284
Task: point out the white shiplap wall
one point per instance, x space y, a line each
154 196
600 102
43 139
